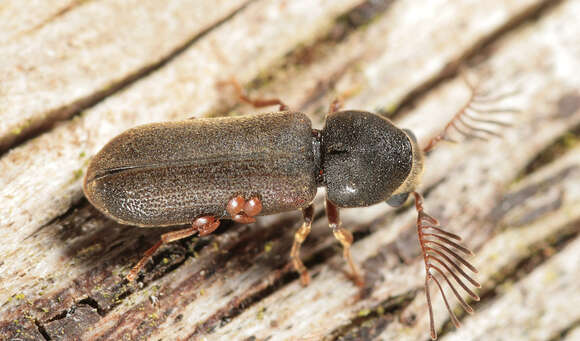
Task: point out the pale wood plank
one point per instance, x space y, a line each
56 70
83 254
539 307
18 18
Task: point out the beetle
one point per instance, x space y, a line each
200 171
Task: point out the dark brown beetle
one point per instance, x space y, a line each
200 171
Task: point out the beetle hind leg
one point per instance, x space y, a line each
243 211
345 238
202 225
299 238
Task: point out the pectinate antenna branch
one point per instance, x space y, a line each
473 108
442 261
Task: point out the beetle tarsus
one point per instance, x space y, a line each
135 270
442 257
345 238
202 225
299 238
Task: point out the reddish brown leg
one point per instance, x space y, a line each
299 238
204 225
442 256
335 106
345 238
258 102
253 206
243 211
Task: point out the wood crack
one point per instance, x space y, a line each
369 323
77 107
477 50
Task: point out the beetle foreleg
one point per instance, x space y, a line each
299 238
204 225
345 238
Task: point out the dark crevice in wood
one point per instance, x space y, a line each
91 302
345 25
53 17
556 149
369 323
512 273
70 212
237 254
519 197
360 16
564 333
62 314
478 49
71 323
77 107
42 330
234 308
280 278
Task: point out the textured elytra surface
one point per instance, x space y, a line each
171 173
514 200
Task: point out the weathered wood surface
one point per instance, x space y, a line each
515 200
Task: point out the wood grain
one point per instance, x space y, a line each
62 263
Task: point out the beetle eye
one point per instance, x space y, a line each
398 200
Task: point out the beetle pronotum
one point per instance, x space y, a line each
200 171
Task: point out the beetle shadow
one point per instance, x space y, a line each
101 246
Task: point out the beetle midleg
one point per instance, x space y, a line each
256 102
242 210
204 225
345 238
299 238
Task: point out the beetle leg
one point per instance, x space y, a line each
235 205
253 206
299 238
242 218
335 106
256 102
345 238
204 225
243 211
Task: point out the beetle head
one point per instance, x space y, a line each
366 160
